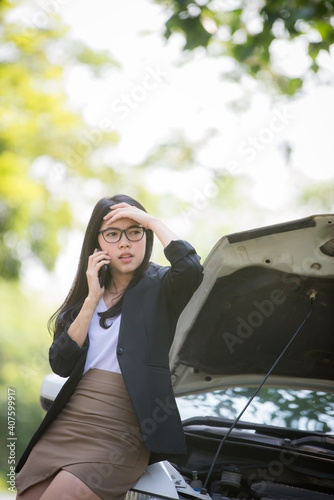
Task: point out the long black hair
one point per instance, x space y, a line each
70 308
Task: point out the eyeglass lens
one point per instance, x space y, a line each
113 235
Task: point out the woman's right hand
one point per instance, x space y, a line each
80 326
98 259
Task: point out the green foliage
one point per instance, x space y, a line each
177 154
44 144
319 194
244 31
97 61
24 346
196 34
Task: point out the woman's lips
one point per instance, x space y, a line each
126 257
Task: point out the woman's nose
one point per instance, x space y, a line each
124 242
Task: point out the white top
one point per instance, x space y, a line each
103 342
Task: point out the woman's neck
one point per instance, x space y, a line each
118 284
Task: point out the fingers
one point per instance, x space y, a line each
124 210
115 208
98 259
120 208
95 262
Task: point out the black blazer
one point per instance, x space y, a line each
149 315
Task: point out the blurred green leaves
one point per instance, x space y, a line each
244 31
23 364
44 143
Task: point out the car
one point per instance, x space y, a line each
252 370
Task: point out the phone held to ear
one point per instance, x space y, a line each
104 273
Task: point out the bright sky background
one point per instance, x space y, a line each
193 98
153 96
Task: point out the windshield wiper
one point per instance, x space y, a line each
291 435
318 444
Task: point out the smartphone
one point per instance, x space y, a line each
104 274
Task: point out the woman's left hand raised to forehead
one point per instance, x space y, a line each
123 210
126 211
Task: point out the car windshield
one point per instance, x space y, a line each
295 409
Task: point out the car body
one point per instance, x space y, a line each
261 325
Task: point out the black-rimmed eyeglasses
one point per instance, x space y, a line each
113 234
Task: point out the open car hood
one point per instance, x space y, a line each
256 292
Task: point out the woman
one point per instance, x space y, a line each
116 412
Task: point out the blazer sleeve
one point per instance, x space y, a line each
64 354
184 276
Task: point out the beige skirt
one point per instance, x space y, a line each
96 437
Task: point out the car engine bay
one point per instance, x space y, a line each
256 462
